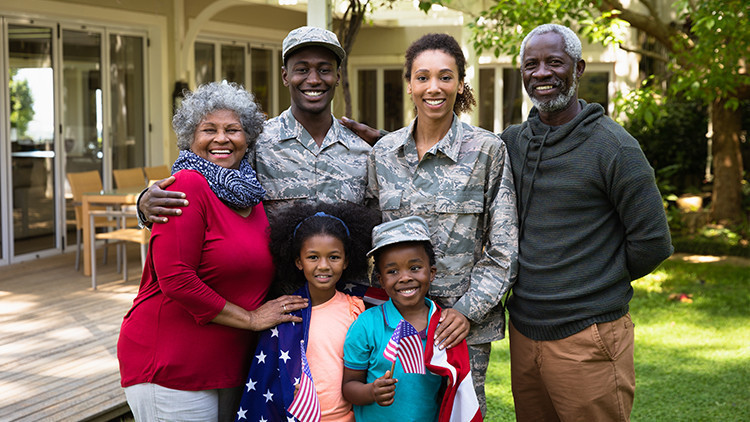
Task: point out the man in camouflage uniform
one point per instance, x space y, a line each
304 154
463 188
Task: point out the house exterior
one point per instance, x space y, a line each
102 78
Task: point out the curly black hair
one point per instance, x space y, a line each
447 44
290 227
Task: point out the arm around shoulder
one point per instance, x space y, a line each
156 202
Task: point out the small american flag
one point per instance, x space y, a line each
305 406
406 344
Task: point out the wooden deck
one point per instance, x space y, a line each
58 358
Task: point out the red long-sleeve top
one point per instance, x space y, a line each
196 262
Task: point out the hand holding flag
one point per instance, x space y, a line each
406 344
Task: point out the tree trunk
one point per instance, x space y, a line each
726 200
346 88
349 27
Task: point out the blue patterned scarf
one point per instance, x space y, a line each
237 188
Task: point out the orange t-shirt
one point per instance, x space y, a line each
329 323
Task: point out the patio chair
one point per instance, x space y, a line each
80 183
156 173
121 234
129 178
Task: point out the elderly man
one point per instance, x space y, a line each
591 221
304 154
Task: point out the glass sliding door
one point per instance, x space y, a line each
261 62
127 101
380 98
393 99
233 64
205 63
81 110
32 139
246 63
75 102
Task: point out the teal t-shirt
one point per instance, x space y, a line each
416 396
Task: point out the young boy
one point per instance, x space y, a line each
405 266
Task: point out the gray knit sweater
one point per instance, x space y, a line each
592 220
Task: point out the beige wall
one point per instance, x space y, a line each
157 7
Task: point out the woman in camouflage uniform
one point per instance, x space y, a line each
458 178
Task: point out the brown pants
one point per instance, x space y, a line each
588 376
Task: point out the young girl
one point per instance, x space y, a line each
314 248
380 390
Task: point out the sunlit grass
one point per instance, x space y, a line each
692 355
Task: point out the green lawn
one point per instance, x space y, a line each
692 359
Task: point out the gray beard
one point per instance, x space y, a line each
558 103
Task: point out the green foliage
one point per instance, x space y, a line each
644 103
21 102
713 240
672 134
713 50
501 28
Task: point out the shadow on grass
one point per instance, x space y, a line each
716 291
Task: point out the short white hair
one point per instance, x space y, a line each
572 43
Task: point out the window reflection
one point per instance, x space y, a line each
486 99
593 88
204 63
32 138
127 99
367 97
390 104
233 64
260 60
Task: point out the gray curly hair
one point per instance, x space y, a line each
572 43
212 97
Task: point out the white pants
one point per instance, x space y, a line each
154 403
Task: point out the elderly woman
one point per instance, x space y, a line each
184 345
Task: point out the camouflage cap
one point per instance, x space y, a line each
407 229
306 36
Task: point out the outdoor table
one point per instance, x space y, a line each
114 198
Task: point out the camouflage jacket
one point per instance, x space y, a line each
463 188
291 166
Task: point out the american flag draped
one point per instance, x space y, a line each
275 369
277 362
372 296
459 402
406 345
305 406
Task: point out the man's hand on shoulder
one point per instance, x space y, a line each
368 134
155 202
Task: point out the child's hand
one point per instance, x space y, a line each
383 389
452 330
